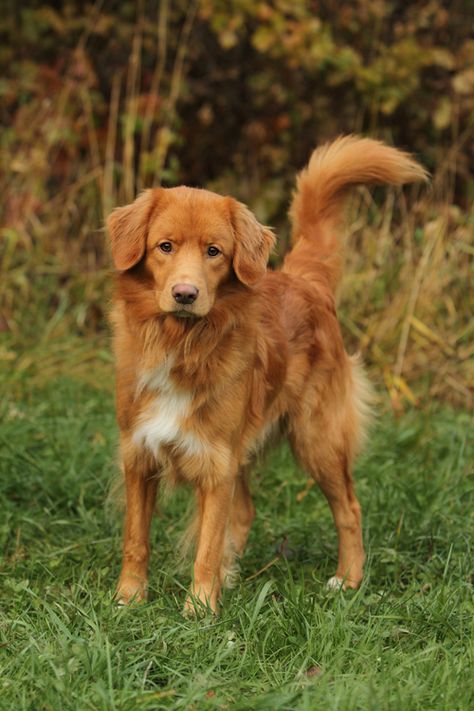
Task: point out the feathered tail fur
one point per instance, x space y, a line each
322 187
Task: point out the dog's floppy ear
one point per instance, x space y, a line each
252 246
128 228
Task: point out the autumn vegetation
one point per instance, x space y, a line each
99 100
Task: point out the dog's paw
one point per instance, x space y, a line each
130 592
336 583
196 606
190 609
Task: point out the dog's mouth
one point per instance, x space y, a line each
182 313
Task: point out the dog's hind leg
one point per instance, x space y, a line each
323 449
242 515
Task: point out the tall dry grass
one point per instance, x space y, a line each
406 300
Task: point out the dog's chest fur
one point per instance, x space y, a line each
166 429
161 423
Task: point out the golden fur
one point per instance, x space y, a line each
202 383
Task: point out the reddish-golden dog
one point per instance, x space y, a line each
215 353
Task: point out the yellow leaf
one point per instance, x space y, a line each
463 82
430 334
443 113
442 58
402 385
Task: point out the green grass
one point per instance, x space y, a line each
282 641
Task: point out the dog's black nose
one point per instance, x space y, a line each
185 293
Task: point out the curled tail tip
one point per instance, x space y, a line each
366 160
338 165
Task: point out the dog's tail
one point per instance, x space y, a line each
321 189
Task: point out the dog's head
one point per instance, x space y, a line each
190 242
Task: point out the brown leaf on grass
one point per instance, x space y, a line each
302 494
315 670
155 695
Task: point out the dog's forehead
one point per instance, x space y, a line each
192 212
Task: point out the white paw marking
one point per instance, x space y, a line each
335 583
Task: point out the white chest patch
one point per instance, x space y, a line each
161 423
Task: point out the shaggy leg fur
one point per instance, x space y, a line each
242 516
326 463
213 516
141 495
324 440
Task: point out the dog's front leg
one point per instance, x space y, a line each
214 505
141 488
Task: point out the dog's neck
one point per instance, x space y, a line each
197 346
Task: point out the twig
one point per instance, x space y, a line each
108 193
412 301
265 567
133 81
156 81
176 79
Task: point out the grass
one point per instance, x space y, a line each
282 641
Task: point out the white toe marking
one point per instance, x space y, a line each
335 583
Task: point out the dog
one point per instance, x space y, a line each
216 355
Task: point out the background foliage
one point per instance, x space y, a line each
102 99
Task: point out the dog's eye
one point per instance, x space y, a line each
213 251
166 247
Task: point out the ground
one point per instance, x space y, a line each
404 640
